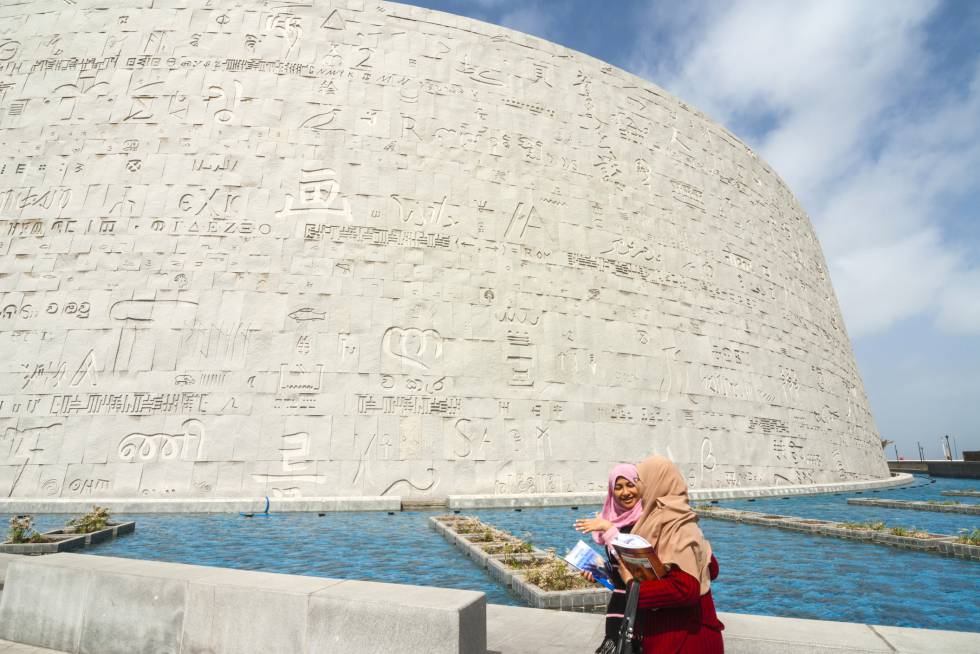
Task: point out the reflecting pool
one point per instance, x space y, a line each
763 570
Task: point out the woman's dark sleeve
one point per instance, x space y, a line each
713 568
676 589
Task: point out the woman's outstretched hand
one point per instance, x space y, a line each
588 575
587 525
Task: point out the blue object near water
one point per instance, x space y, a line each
263 513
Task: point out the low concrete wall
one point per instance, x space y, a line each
230 610
394 503
210 505
5 561
97 604
461 502
957 469
921 467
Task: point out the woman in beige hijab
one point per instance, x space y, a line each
684 620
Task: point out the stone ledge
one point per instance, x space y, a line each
78 603
202 505
583 499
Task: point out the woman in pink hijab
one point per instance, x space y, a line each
619 513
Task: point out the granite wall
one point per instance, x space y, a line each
360 248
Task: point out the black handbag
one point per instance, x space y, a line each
629 632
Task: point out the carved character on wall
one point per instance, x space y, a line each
418 348
162 446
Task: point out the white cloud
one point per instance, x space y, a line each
959 307
891 281
841 98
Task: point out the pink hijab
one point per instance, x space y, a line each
612 510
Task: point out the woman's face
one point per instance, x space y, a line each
625 493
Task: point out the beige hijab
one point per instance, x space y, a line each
668 522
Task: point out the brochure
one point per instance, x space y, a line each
638 557
587 559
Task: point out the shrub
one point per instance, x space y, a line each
22 530
555 574
94 520
518 547
484 535
969 537
873 526
911 532
467 525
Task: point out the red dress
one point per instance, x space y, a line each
685 621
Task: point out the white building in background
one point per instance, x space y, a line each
364 248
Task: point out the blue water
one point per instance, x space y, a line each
775 572
763 570
400 548
835 507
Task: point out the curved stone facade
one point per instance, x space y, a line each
358 248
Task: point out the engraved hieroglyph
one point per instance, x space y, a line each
359 248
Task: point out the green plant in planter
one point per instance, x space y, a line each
94 520
22 530
514 553
969 537
468 525
873 526
555 574
517 546
483 536
908 531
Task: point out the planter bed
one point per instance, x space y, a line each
806 526
582 600
579 599
505 573
951 547
65 539
933 543
928 542
961 493
970 509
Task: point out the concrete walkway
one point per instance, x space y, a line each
515 630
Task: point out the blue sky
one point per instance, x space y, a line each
870 110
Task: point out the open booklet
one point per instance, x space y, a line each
638 557
587 559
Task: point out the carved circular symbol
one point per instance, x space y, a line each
9 50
